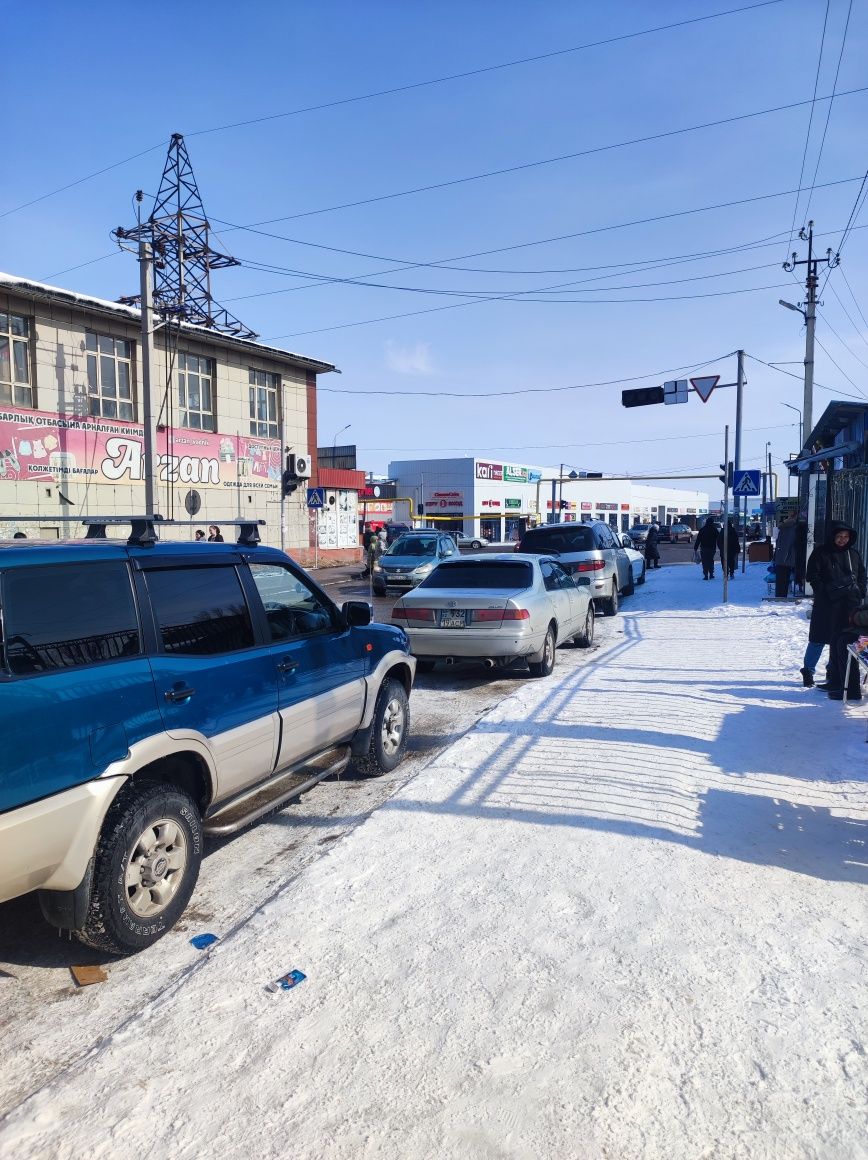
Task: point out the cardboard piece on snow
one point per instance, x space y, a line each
84 976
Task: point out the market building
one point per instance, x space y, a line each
71 435
832 468
499 500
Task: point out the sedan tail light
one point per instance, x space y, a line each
516 614
426 615
590 566
498 615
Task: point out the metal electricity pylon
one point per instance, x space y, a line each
177 233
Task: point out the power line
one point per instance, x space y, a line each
838 366
846 345
849 316
850 288
831 102
810 123
789 374
594 150
80 266
400 89
524 390
854 213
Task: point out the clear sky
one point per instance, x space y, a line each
85 87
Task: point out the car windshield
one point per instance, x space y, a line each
414 546
494 576
639 528
559 539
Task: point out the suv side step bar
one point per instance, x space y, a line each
262 799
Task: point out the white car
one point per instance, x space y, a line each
465 541
499 609
636 558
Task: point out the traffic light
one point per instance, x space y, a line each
289 483
726 474
564 504
642 397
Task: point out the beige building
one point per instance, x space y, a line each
71 433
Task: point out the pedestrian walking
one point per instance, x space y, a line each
214 536
836 573
368 537
652 552
732 547
706 546
383 537
785 556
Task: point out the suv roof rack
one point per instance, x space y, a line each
143 530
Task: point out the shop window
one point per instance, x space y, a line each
264 409
196 391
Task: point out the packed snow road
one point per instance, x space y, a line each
623 916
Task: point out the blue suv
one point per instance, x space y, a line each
154 693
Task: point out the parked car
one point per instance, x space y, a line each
664 533
409 560
395 531
636 558
465 541
154 693
639 533
679 533
498 609
591 549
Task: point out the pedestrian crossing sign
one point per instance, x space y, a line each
746 483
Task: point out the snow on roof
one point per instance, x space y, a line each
44 290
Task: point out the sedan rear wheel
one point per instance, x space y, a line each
610 606
543 667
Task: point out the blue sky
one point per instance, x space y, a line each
80 106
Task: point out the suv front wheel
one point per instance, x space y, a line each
146 866
389 730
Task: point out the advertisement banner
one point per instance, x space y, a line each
513 474
489 471
39 445
444 501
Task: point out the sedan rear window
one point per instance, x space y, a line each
559 539
495 577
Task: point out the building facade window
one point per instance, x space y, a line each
15 385
196 391
109 376
264 413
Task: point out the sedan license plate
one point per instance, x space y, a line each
450 619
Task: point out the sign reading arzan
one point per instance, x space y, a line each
37 445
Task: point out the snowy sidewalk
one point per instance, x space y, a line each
624 917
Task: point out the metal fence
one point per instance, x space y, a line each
848 501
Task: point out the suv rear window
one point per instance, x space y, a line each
559 539
68 616
498 577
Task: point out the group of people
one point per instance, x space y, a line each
836 573
710 541
214 536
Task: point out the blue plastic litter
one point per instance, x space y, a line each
287 982
201 941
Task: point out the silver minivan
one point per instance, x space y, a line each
587 549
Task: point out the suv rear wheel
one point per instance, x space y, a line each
146 866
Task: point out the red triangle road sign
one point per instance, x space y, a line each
704 385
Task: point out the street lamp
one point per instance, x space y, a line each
335 440
790 306
799 413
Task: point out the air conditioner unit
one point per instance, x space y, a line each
299 466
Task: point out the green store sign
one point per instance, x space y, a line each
514 474
512 503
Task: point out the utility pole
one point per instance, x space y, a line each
812 264
739 393
725 561
149 414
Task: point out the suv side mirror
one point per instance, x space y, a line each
357 613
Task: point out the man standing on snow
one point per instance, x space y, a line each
706 546
836 573
785 556
652 552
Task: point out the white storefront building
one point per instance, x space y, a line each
496 499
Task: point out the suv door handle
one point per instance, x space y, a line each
287 665
182 694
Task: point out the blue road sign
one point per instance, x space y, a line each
746 483
316 497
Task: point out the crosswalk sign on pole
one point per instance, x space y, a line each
746 483
316 497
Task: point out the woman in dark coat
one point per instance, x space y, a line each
652 552
706 546
836 573
732 547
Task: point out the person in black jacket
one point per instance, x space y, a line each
652 552
837 666
732 547
706 546
836 573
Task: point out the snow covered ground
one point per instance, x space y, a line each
623 917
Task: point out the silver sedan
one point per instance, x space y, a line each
499 609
